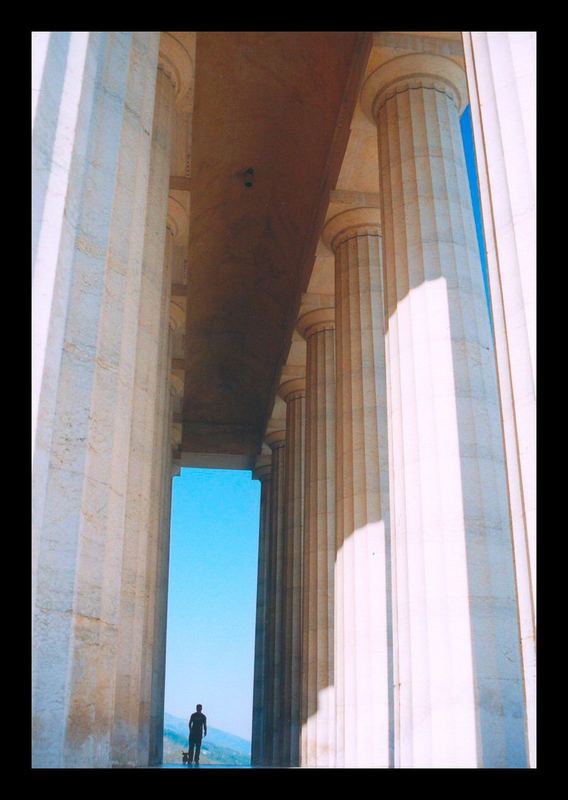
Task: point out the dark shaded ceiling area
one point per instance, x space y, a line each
281 104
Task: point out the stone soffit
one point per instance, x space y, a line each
253 254
279 103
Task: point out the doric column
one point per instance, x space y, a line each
161 608
156 639
91 153
141 557
458 673
318 712
263 473
363 674
273 734
501 72
293 392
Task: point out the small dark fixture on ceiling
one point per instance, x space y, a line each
249 176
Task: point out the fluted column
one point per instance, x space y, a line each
161 610
273 734
141 557
91 155
459 700
318 712
363 673
156 633
293 393
263 473
501 72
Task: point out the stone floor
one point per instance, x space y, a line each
201 766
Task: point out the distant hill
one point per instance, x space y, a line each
218 747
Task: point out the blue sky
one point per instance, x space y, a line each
212 588
467 136
212 597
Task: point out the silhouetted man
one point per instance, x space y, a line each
197 729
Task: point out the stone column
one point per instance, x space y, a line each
501 73
91 153
276 440
131 735
363 671
318 712
458 672
161 614
293 392
263 473
156 638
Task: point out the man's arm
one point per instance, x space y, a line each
204 725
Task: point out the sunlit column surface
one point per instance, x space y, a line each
275 601
93 106
263 473
141 556
318 712
501 74
293 393
363 674
457 656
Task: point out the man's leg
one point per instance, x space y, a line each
190 754
197 749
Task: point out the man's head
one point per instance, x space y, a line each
198 707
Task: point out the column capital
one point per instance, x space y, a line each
413 71
362 221
290 390
316 319
176 64
276 439
262 469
